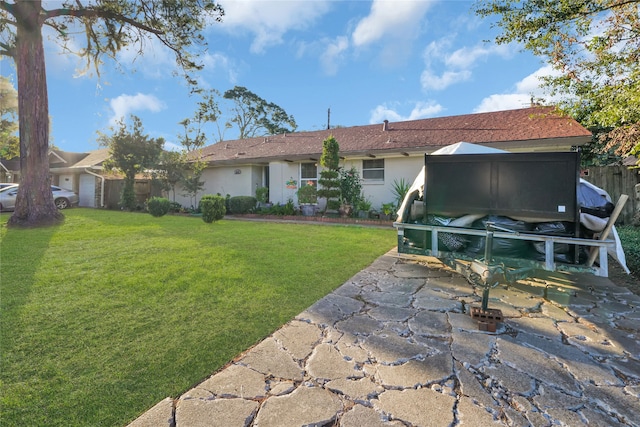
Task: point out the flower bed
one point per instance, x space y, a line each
317 218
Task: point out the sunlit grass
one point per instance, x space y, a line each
111 312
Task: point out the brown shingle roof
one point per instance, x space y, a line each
517 126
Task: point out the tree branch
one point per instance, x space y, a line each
6 50
97 13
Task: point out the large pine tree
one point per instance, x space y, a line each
108 25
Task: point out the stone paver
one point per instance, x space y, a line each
395 346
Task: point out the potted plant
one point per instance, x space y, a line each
350 189
345 209
387 210
364 206
308 198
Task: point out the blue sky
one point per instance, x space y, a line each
365 60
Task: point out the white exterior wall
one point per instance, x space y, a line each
233 180
67 181
395 168
284 175
281 173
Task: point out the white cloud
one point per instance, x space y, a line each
508 101
420 110
454 67
124 105
334 54
467 57
220 62
268 21
431 81
527 88
390 19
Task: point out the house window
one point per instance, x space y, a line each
308 174
373 170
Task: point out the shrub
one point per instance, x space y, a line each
630 238
400 189
158 206
287 209
307 194
212 208
330 188
262 195
241 204
175 207
350 186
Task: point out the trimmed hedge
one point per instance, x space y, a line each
212 208
158 206
242 204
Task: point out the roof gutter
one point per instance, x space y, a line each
102 179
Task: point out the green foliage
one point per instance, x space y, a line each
330 188
329 181
287 209
115 25
175 207
191 181
209 111
630 238
593 47
364 203
212 208
108 27
9 141
350 186
242 204
388 208
262 195
330 158
131 152
158 206
128 196
254 116
171 170
169 302
307 194
399 190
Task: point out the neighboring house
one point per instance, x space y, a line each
382 153
84 174
60 163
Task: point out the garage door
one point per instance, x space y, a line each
87 193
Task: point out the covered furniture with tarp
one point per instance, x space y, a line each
508 214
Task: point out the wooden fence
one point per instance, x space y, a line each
617 180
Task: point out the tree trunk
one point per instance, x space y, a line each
34 203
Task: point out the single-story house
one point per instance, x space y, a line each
84 174
382 153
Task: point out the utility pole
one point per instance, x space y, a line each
328 118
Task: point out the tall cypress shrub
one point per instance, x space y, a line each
329 176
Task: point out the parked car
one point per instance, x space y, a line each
6 184
61 197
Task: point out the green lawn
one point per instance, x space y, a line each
105 315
